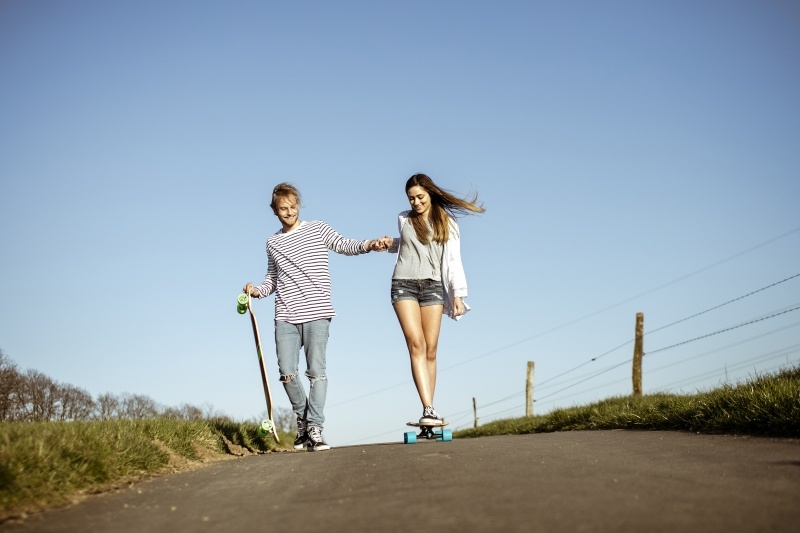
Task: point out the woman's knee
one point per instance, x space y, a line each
417 346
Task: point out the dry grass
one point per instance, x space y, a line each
52 463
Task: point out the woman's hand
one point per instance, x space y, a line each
378 245
458 306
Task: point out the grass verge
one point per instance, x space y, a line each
55 463
50 464
766 405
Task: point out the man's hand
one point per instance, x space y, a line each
379 245
251 291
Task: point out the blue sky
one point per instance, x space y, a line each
632 157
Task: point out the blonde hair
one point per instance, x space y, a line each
444 204
284 190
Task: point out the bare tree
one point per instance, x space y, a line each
10 381
33 396
191 412
211 413
75 403
184 412
137 407
39 396
106 407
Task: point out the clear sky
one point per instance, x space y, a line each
632 157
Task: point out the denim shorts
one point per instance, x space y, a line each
423 291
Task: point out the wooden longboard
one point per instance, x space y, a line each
427 424
268 425
429 431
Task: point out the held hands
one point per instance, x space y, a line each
378 245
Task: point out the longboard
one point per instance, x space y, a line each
428 432
268 425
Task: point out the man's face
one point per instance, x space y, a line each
287 212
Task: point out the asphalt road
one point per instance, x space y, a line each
599 481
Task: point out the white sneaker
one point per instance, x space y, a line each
430 416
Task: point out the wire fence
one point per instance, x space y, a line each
550 391
569 384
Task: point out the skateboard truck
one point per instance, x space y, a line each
428 432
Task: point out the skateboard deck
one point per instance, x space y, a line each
268 425
428 431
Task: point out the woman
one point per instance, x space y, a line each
428 278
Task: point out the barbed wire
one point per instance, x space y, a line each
608 369
724 304
722 331
772 355
596 358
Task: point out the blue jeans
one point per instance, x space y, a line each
313 337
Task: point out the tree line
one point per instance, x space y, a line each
32 396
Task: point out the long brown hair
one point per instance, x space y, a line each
443 203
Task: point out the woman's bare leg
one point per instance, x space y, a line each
421 327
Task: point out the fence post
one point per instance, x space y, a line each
475 411
529 391
638 352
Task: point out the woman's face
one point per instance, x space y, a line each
420 200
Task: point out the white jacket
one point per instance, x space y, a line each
454 280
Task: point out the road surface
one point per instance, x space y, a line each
588 481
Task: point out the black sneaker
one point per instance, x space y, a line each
315 442
430 416
302 435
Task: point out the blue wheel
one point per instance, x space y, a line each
447 435
409 437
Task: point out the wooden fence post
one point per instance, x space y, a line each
529 391
475 411
638 352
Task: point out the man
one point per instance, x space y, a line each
298 275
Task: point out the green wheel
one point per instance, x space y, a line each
261 432
267 425
241 304
409 437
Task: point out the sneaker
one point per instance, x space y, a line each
302 435
430 416
315 442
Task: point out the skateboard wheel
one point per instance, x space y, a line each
261 432
409 437
447 435
267 425
241 304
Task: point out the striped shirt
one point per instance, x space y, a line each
297 270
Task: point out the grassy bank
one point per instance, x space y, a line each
50 464
53 463
767 405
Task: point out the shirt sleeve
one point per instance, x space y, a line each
270 282
341 245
